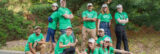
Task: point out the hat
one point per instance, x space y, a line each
100 29
37 27
91 40
107 39
104 5
62 0
119 6
55 4
69 27
89 4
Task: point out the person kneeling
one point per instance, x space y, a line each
65 44
35 42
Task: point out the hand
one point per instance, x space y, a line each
101 42
94 19
109 24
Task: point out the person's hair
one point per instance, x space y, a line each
103 47
89 49
106 11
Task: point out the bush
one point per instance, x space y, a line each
13 26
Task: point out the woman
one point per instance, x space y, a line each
104 19
91 48
52 27
107 49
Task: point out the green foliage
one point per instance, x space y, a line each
42 11
13 26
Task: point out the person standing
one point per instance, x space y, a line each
52 26
65 16
89 23
121 19
35 42
104 19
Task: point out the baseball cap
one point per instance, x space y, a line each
100 29
89 4
37 27
107 39
104 5
119 6
91 40
69 27
55 4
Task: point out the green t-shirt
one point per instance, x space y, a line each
65 40
94 52
89 14
32 39
54 17
120 16
64 22
106 51
102 39
105 17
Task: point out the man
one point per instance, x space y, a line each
101 37
65 44
89 23
65 17
35 42
52 27
121 19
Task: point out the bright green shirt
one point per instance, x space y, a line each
120 16
106 51
54 17
89 14
94 52
64 22
65 40
102 39
105 17
32 39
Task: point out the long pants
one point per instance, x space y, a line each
106 27
121 36
87 32
70 50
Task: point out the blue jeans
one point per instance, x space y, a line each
105 26
63 31
50 34
121 36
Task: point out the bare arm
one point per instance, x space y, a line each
41 42
61 45
98 23
31 49
68 16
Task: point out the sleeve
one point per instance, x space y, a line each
97 41
30 39
99 16
110 16
42 37
95 15
61 39
69 11
111 49
83 14
126 15
116 16
71 40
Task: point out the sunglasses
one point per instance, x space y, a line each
106 41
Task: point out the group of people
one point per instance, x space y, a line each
66 44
